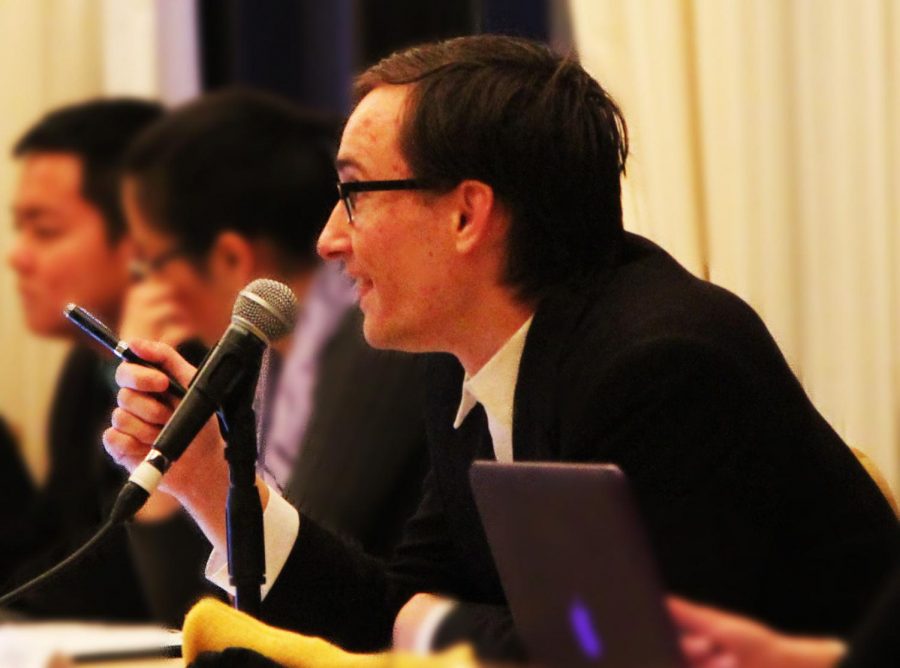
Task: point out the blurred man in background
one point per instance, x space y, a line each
227 189
71 246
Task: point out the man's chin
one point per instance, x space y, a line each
379 336
374 336
383 338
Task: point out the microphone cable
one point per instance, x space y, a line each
121 511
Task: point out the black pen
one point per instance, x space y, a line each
103 335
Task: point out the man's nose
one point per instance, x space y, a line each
19 257
334 241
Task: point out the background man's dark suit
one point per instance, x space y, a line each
81 485
18 492
752 501
359 473
876 642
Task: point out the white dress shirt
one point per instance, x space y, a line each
493 386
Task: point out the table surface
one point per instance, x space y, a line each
140 663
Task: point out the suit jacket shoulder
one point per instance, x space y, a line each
741 481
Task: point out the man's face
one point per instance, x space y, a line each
62 252
399 248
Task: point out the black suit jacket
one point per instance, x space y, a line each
752 501
359 472
81 486
876 643
19 492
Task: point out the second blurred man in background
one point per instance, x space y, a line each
234 187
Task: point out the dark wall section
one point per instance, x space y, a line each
308 50
302 49
389 25
525 18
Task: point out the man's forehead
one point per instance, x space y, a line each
370 140
50 183
56 173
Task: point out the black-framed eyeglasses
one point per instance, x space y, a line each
347 190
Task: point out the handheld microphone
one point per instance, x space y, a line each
102 334
264 311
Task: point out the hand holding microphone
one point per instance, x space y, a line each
263 312
143 410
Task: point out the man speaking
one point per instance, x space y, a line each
481 220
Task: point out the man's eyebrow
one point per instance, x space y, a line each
348 163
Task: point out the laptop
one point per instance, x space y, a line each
575 564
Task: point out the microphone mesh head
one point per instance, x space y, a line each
267 305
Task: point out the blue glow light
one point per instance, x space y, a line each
585 630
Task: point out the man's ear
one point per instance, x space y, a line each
476 215
232 259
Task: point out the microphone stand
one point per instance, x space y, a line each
244 515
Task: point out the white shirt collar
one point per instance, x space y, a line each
494 386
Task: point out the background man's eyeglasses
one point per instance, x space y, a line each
347 190
140 268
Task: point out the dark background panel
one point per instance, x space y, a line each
308 50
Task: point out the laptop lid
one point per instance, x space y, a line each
575 564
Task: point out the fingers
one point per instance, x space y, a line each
153 312
698 627
149 292
141 378
165 356
127 423
125 450
156 322
690 616
144 407
721 661
701 652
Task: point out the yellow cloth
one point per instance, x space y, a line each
211 626
876 475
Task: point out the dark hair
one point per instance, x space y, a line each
98 132
535 127
238 160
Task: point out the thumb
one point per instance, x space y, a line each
690 617
166 357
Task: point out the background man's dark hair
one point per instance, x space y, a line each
533 125
98 132
243 161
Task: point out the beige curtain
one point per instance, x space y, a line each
767 158
54 52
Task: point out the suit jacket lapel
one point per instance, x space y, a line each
535 433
